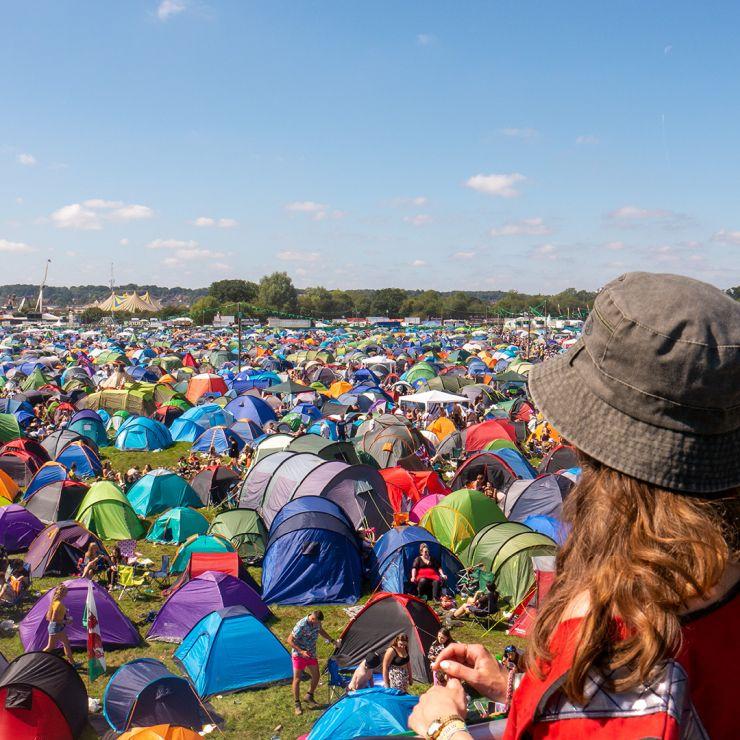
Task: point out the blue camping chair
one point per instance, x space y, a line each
162 576
338 680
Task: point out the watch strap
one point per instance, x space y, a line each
451 728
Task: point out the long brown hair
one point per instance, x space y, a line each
637 552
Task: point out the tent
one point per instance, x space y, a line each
199 543
160 732
20 466
214 483
57 441
253 408
160 490
423 505
49 472
90 425
326 449
373 712
506 549
142 433
433 397
56 501
526 613
456 519
542 496
42 696
116 630
107 512
200 385
407 487
58 547
177 525
313 555
245 530
500 468
478 435
549 526
200 596
192 423
83 457
218 440
561 457
144 692
391 441
9 428
18 528
394 554
382 617
8 487
231 650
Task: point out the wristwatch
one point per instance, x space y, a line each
445 727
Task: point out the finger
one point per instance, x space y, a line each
459 671
458 651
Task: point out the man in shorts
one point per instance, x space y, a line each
302 641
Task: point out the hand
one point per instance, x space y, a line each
306 654
438 702
476 666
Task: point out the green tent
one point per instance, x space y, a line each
199 543
34 381
500 444
326 449
420 371
176 525
245 530
456 519
9 428
107 512
506 549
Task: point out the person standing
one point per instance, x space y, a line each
397 664
58 620
302 640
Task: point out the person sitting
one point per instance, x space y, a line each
17 584
427 574
362 678
94 561
116 560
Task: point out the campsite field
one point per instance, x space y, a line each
250 714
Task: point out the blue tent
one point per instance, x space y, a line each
177 525
49 472
218 440
395 551
251 407
185 430
90 425
312 555
84 458
190 425
160 490
374 712
247 430
142 433
517 462
548 525
231 650
143 692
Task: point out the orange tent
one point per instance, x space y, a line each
160 732
442 427
8 487
204 383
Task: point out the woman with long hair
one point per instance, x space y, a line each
397 664
645 594
58 619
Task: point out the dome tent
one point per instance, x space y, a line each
214 483
219 440
90 425
542 496
199 543
49 472
213 655
159 490
177 525
57 441
107 512
42 696
245 530
160 732
143 433
200 596
18 528
144 692
83 457
58 547
500 468
116 630
455 520
312 555
56 501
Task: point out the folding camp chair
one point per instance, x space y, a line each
129 580
128 550
338 680
162 576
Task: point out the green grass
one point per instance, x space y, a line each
121 460
248 714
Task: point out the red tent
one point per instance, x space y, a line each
478 436
524 615
412 485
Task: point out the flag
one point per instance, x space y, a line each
95 654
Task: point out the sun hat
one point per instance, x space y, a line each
652 386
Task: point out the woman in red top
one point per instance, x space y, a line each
427 574
637 637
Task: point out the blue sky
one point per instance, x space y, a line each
419 144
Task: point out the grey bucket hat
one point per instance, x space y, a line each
652 387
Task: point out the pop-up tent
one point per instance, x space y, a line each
116 630
18 528
313 555
58 548
42 696
231 650
49 472
145 692
200 596
177 525
160 490
245 530
89 424
84 458
107 512
500 468
56 501
384 616
455 520
214 483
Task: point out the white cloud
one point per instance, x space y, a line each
169 8
334 215
221 267
70 253
545 251
615 246
420 219
28 160
91 214
501 186
172 244
464 255
526 226
586 139
419 263
425 39
318 211
15 247
636 213
519 133
723 236
418 200
221 223
288 255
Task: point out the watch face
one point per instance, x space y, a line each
434 728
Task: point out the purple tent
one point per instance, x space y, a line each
18 528
58 547
209 592
115 628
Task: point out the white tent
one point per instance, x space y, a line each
433 397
